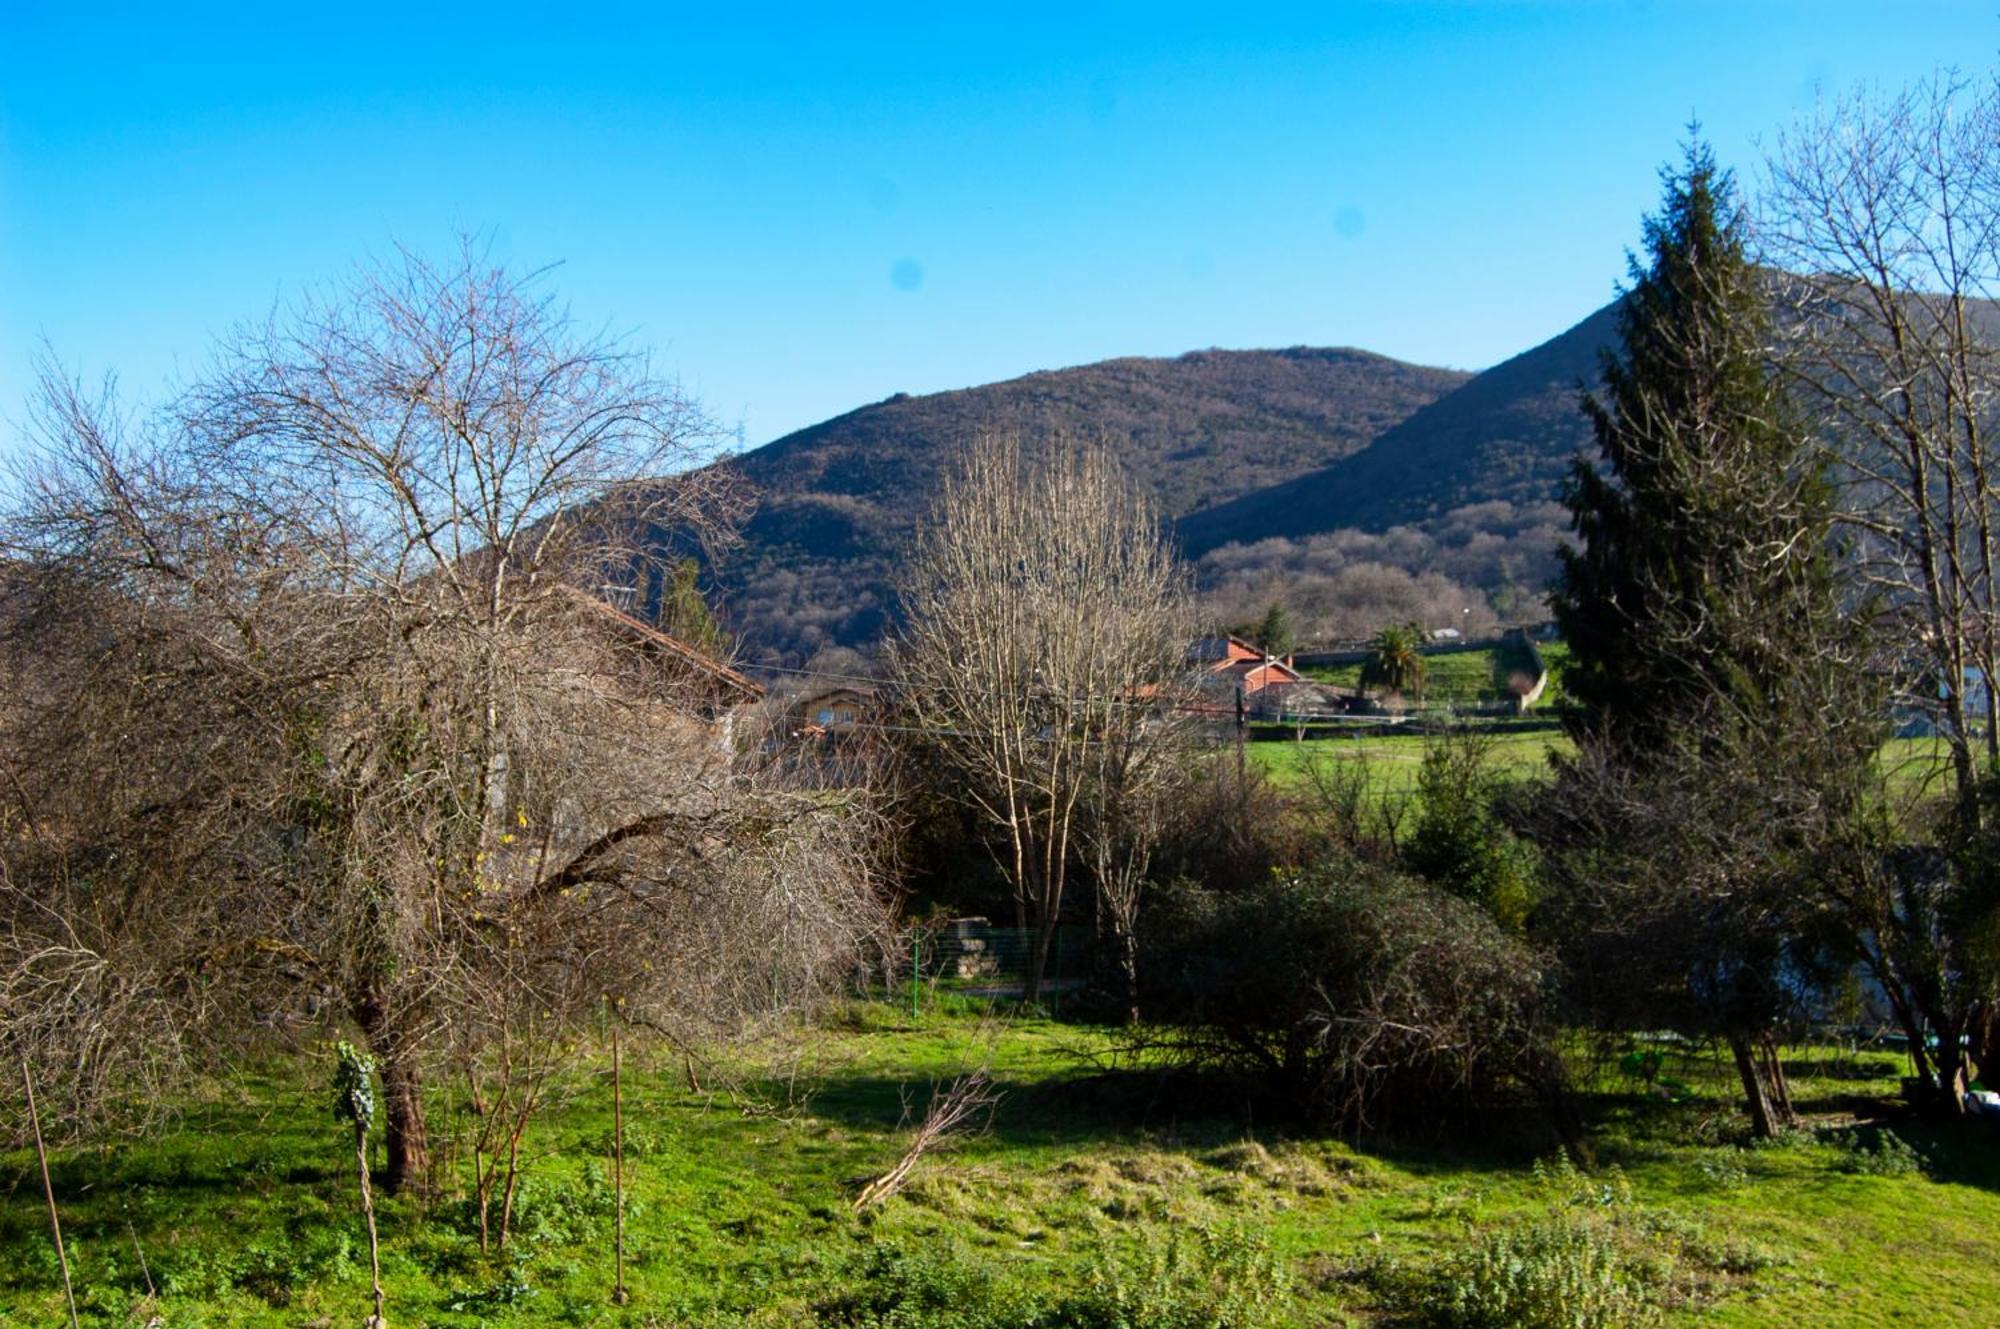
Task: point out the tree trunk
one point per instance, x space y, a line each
1986 1043
1913 1030
1038 960
1763 1121
405 1143
1780 1092
1128 971
1950 1057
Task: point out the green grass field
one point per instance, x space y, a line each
1915 767
1095 1172
1391 761
1098 1172
1463 678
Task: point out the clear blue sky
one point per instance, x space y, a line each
805 210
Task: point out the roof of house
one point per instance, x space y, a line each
695 658
1273 671
1223 649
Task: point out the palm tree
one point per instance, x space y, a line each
1397 664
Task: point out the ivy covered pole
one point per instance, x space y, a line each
354 1104
48 1190
619 1294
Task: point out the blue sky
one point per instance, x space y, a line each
810 208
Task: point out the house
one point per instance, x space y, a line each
711 688
1233 662
829 737
1238 678
832 710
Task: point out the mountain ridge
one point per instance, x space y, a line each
1507 434
837 499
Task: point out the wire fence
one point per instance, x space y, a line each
972 957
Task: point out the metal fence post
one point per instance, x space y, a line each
1055 965
916 969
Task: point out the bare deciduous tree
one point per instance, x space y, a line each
1883 211
1047 631
1882 215
337 709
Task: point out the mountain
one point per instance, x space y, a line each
1505 435
837 501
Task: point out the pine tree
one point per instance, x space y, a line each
1274 634
1702 563
1722 724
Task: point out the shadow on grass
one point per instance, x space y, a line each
1874 1067
1178 1108
1175 1108
1963 1153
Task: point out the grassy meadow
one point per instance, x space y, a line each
1101 1186
1464 678
1107 1189
1390 761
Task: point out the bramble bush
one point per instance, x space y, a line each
1361 994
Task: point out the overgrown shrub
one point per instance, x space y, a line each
1187 1279
1459 844
1875 1151
1230 823
1592 1259
1361 994
1562 1272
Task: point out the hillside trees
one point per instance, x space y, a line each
1047 626
1724 721
316 713
1273 633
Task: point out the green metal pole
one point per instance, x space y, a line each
916 970
1055 965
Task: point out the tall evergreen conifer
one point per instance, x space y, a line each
1702 580
1722 721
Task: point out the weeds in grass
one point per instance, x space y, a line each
1200 1278
923 1287
1184 1278
1562 1272
1875 1151
1723 1172
1592 1260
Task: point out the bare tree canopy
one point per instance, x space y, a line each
1047 630
1884 212
1883 215
315 696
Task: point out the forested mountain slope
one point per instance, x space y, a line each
837 501
1506 435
